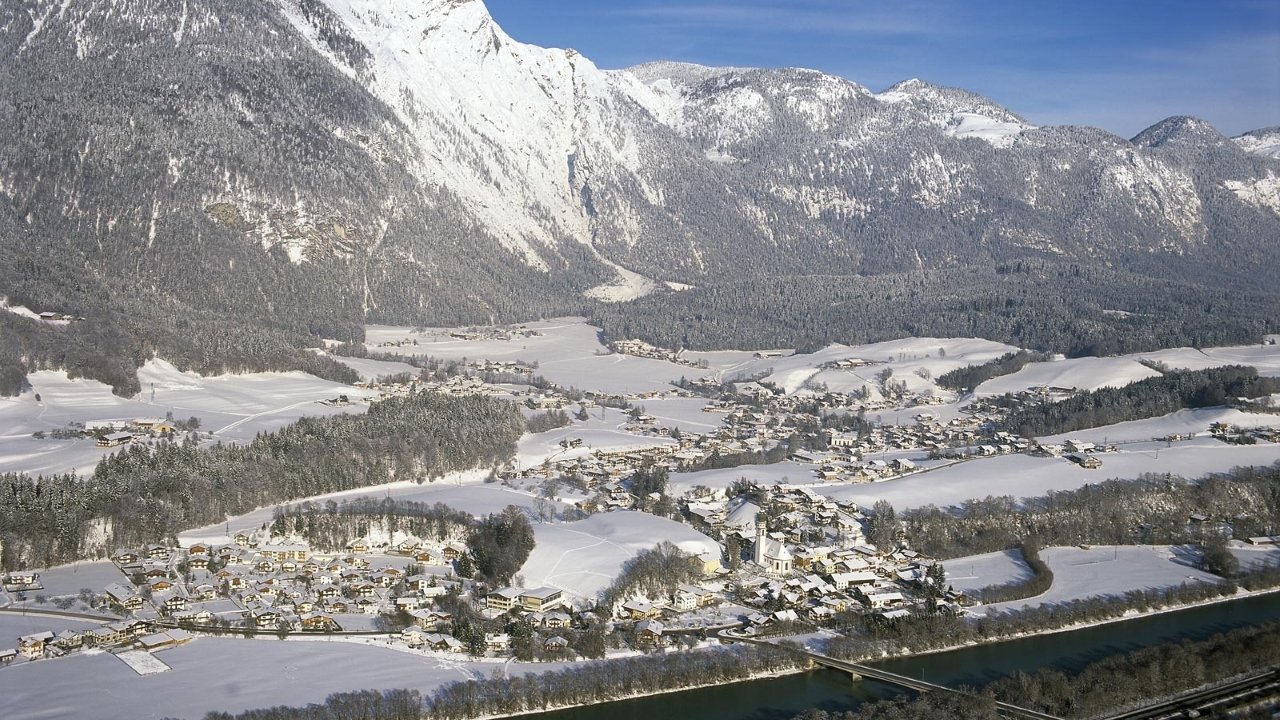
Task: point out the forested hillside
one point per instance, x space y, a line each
141 495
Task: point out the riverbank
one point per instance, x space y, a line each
1241 594
773 674
556 712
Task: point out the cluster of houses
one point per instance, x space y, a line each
1231 433
114 433
640 348
274 586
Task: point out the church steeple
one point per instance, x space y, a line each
762 538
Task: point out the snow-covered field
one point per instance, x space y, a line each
233 407
595 434
1183 422
1252 556
1088 373
14 625
568 353
975 572
1109 570
223 674
71 578
1029 476
371 370
584 557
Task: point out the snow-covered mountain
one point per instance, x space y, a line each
322 162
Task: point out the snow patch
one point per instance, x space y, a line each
1000 134
1261 193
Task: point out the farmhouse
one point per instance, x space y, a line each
115 439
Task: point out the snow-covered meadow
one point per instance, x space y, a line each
228 675
234 408
1101 570
585 556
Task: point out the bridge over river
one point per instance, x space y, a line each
859 671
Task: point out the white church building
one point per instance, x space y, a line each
770 554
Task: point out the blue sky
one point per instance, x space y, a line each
1116 64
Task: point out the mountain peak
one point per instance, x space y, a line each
1178 130
947 102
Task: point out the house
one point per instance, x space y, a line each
503 599
555 644
115 439
445 643
32 646
845 580
878 600
68 640
556 620
7 656
22 582
1088 462
266 618
639 610
319 622
649 633
123 597
497 642
280 553
688 597
1076 446
125 557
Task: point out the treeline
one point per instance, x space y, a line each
328 527
549 420
1144 675
971 376
500 544
920 632
1039 583
585 684
1050 307
928 706
142 495
1147 398
593 683
653 573
362 704
1152 509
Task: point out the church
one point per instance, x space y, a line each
770 554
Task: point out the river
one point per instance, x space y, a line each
784 697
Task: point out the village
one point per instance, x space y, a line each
410 591
789 558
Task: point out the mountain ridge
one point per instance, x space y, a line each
236 179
